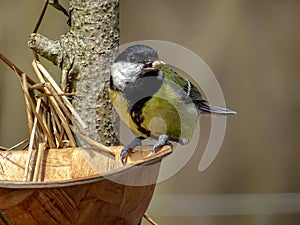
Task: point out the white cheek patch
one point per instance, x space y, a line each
124 72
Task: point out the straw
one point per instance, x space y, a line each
18 145
28 108
39 119
92 142
31 140
59 91
149 219
55 105
39 161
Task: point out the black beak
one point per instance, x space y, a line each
152 69
148 64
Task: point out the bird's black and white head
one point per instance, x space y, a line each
133 63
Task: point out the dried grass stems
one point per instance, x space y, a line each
21 145
52 120
149 219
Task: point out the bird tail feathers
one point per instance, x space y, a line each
215 109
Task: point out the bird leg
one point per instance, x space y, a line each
165 140
161 141
137 141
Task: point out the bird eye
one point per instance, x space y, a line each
132 59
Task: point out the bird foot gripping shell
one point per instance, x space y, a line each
135 142
162 140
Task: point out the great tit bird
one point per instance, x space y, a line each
154 100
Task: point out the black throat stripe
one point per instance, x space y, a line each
143 87
138 93
137 117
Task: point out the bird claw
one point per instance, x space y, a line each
123 155
162 140
125 151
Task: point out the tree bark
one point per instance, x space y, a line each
86 52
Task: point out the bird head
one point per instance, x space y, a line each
135 62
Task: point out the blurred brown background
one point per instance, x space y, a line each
253 48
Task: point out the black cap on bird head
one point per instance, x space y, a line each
138 54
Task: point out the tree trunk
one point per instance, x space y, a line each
86 53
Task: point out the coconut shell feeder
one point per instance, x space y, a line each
52 181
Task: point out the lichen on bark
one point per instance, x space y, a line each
86 52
